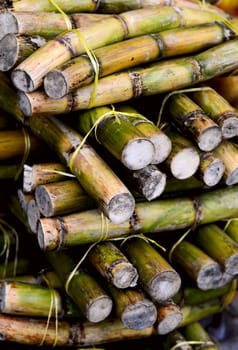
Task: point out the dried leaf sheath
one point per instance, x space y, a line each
95 176
156 78
29 75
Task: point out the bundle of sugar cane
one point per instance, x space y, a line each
95 176
161 215
152 79
29 74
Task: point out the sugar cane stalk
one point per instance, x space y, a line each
211 168
117 135
29 74
227 151
62 197
156 275
191 119
196 332
95 176
33 214
15 48
43 23
201 268
82 287
133 308
213 240
232 229
169 316
155 78
26 299
161 215
130 53
183 152
23 330
175 338
114 6
220 110
148 181
8 98
162 143
193 313
16 143
195 296
113 265
43 173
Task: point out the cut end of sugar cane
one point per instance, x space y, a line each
138 153
231 265
154 185
8 52
163 146
179 165
165 285
213 175
210 138
121 208
24 103
22 81
229 126
55 85
100 309
232 177
124 275
8 23
48 236
169 318
209 276
139 315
